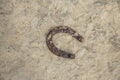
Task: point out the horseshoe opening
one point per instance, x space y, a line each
53 48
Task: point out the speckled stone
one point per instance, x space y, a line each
25 23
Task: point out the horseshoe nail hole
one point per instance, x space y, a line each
71 56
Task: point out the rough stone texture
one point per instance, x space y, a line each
25 56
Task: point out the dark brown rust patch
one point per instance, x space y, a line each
53 48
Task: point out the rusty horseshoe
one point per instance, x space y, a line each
53 48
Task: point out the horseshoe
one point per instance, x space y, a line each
53 48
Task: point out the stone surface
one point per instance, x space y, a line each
25 56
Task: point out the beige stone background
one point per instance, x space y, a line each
25 56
